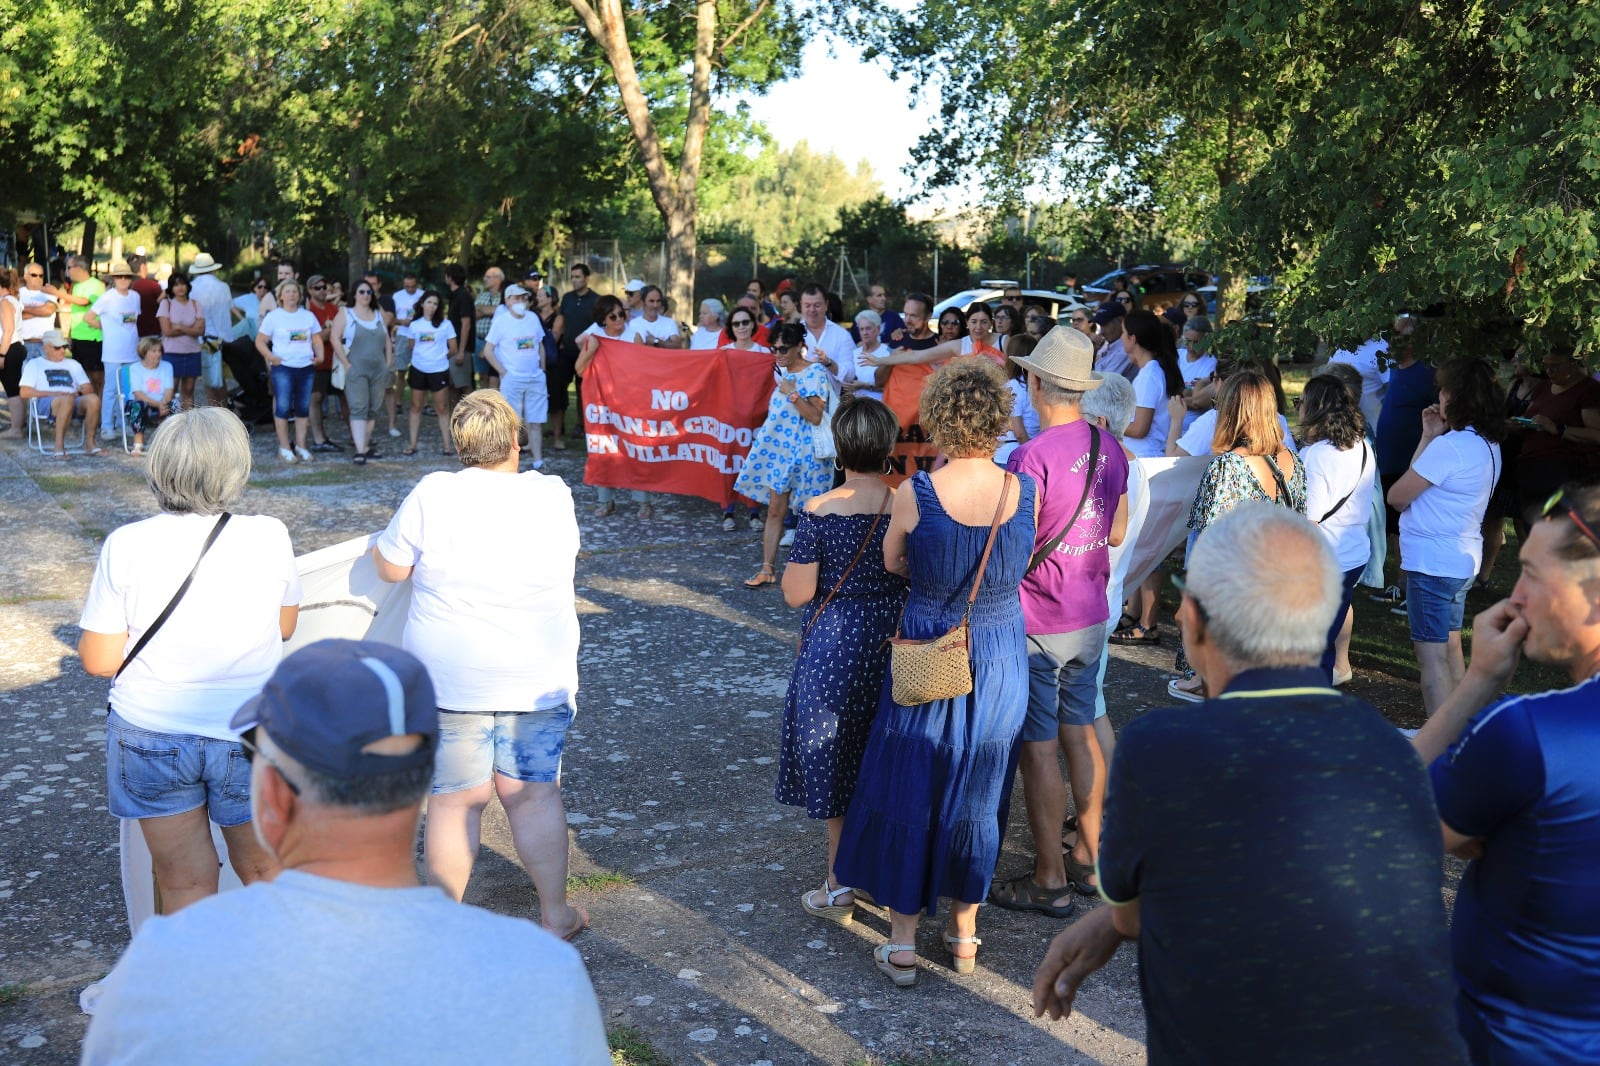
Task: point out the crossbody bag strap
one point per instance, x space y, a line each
166 612
1346 499
988 546
1088 482
888 495
1277 475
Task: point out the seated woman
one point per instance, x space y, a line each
149 392
851 603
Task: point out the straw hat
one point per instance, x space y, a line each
1063 357
119 269
203 264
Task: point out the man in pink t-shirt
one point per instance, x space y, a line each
1082 474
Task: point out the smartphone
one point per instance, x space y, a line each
1524 421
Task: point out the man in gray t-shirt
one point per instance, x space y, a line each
343 957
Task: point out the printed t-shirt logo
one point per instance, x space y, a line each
152 386
427 338
297 336
130 319
58 379
525 344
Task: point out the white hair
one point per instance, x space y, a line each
199 461
871 318
717 309
1112 401
1268 583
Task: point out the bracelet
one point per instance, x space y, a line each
794 397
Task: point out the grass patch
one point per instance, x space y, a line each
630 1048
12 994
55 484
600 881
329 476
14 601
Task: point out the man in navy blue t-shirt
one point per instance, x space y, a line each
1519 794
1275 849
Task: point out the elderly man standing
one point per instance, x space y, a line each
1275 850
1082 474
1519 794
343 957
211 293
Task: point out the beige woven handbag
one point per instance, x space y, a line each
921 671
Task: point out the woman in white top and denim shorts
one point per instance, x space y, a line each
172 759
499 636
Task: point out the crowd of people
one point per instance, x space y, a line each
1276 851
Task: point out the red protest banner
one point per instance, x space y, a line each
903 393
673 421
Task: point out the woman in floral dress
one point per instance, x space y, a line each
782 466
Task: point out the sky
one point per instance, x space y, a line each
853 109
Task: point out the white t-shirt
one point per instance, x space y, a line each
216 304
1022 407
1196 440
405 306
1330 475
867 375
1374 378
1441 532
1195 373
353 322
119 325
306 969
662 329
1150 390
518 344
221 643
705 339
430 353
290 333
34 329
247 327
48 375
497 631
155 383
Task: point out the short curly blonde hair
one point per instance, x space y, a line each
966 407
484 426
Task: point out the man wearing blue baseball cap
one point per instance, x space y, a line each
344 957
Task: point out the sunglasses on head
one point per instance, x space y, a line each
1559 500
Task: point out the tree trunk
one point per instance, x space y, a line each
86 246
1232 288
467 238
359 252
676 196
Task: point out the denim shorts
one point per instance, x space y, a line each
291 391
402 352
522 745
1435 606
1063 681
152 775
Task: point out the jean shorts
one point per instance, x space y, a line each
152 775
522 745
1435 606
291 391
1063 681
402 352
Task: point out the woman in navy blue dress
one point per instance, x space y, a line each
925 822
851 606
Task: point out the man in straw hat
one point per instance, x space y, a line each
216 303
1082 474
116 315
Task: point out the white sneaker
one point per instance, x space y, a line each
728 524
787 538
395 433
305 456
1409 734
286 455
756 523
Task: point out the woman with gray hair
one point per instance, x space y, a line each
187 614
499 636
860 378
708 334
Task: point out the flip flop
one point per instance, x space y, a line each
94 453
61 457
763 578
408 451
572 934
1025 894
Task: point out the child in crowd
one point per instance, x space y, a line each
149 390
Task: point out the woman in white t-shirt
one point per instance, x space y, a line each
498 633
1339 485
610 321
290 340
1442 499
708 334
433 349
1196 367
172 759
1151 349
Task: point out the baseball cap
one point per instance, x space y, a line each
331 699
1109 311
533 272
515 290
633 285
53 338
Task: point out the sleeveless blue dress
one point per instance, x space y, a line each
927 817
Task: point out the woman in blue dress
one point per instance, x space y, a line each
782 467
925 821
851 602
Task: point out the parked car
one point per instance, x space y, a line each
1054 303
1161 286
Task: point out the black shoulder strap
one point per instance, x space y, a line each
1088 484
166 612
1346 499
1277 475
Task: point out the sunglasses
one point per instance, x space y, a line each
32 274
950 322
1124 299
260 285
363 292
1191 303
615 314
1559 500
1183 590
251 753
318 288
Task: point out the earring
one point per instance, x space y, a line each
887 469
836 465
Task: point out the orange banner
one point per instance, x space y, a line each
673 421
903 393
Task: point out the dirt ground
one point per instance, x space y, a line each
690 870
